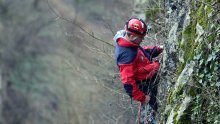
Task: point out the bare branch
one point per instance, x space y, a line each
99 51
74 23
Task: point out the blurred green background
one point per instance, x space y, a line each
52 71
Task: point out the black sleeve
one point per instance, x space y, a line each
128 89
153 52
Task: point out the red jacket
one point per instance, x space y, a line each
135 64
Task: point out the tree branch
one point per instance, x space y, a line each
74 23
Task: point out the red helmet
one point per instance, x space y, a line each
136 27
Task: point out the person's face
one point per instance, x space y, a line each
137 39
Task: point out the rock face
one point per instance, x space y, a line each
191 60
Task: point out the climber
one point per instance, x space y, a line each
137 68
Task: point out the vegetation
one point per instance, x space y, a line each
197 90
55 71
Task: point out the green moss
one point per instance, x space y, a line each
175 115
193 4
208 9
169 98
187 45
185 117
188 29
202 15
176 93
211 38
191 91
190 45
208 1
180 67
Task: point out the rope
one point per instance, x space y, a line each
139 113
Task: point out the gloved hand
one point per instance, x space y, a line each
156 60
160 48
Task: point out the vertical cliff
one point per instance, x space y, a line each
191 58
192 62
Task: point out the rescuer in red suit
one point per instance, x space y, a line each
137 69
